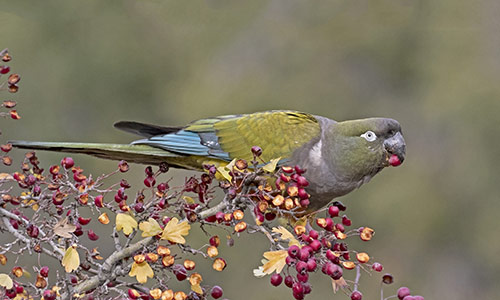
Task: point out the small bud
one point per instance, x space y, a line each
257 151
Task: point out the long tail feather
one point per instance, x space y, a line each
131 153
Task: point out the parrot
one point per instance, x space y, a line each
338 156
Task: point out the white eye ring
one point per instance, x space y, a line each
370 136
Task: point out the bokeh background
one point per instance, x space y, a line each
432 65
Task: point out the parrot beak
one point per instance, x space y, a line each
396 148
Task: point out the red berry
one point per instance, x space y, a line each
49 295
303 277
377 267
394 160
139 207
78 231
302 181
11 293
409 298
92 235
293 251
216 292
67 162
276 279
418 297
149 181
44 271
32 231
346 221
299 170
311 265
19 289
403 292
356 295
98 201
84 221
214 241
301 267
180 272
315 245
290 261
298 288
4 69
289 281
313 234
333 211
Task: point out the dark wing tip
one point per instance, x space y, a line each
143 129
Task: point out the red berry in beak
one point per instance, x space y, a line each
394 160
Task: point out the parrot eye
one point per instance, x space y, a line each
370 136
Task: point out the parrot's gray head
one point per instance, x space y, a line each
361 148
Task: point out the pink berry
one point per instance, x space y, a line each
276 279
377 267
394 160
403 292
333 211
293 251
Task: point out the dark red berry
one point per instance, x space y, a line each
311 265
67 162
149 181
4 69
301 267
346 221
276 279
44 271
289 281
92 235
257 151
356 295
181 273
216 292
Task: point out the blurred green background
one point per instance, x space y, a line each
432 65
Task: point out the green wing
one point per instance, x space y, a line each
278 133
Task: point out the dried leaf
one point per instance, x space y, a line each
141 271
125 222
6 281
174 231
150 228
6 176
63 228
338 284
271 166
276 261
286 235
71 259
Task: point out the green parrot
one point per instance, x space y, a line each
338 156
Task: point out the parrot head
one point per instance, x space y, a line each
361 148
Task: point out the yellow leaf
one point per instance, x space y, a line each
125 222
63 229
276 261
225 173
141 271
150 228
197 289
174 231
271 166
286 235
71 259
188 200
6 281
